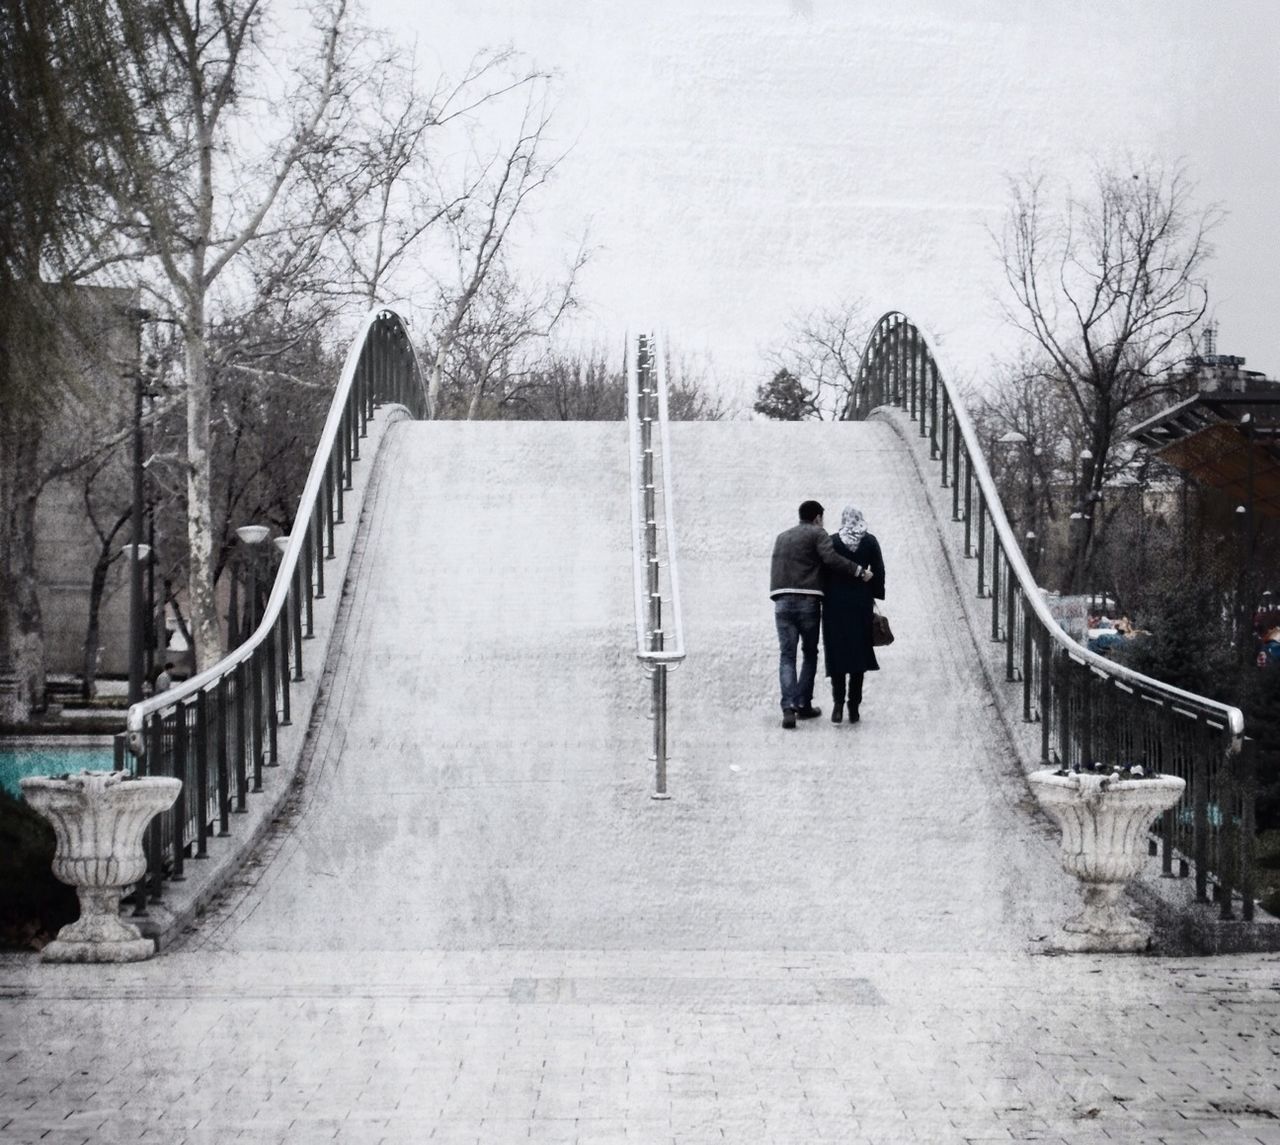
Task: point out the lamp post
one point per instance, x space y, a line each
1016 438
1075 527
138 315
135 554
1033 555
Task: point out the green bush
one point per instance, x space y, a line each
33 904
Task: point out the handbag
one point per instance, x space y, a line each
881 633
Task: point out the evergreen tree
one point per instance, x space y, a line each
785 398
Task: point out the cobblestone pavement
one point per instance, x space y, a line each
474 925
642 1046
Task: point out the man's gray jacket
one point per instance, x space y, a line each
798 557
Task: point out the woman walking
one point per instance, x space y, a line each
847 606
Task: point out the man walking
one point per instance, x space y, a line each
795 586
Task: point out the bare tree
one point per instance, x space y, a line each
1105 288
821 351
400 185
482 291
194 194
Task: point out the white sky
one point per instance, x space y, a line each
738 160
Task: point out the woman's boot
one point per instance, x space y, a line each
837 699
855 695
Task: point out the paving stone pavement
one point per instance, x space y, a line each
475 926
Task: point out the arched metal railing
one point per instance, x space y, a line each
1088 708
218 730
659 638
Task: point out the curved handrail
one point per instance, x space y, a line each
1232 717
311 492
1094 707
635 425
218 730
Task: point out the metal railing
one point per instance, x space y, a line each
1088 707
651 480
218 730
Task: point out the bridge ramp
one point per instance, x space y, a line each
478 775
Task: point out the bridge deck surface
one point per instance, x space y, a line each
474 925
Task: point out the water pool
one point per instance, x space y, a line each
52 756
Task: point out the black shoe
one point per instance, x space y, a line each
837 713
788 717
853 714
809 713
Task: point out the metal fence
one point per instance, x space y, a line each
218 730
1087 707
659 637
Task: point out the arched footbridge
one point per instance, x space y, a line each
488 644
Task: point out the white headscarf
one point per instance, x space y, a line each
853 527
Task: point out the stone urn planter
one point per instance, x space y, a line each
99 818
1104 821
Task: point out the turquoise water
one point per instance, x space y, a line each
50 759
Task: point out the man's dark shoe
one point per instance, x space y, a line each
788 717
837 713
853 714
809 713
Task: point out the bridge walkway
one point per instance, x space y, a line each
479 776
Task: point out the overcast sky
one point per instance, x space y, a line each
738 160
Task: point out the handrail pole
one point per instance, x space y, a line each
647 407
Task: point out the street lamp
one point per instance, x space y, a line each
252 536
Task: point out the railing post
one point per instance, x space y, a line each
933 409
224 772
1028 662
255 685
295 615
947 478
273 715
242 739
982 545
180 769
155 832
1248 765
955 468
1047 670
308 556
1200 824
317 550
202 776
282 630
1227 842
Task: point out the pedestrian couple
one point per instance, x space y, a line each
829 583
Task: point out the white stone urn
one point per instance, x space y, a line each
1104 821
99 818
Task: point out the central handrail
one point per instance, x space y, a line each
647 404
217 730
1089 707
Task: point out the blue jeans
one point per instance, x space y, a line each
798 619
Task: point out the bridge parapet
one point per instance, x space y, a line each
1085 707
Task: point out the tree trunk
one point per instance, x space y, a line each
200 593
23 619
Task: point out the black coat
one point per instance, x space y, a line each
846 609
